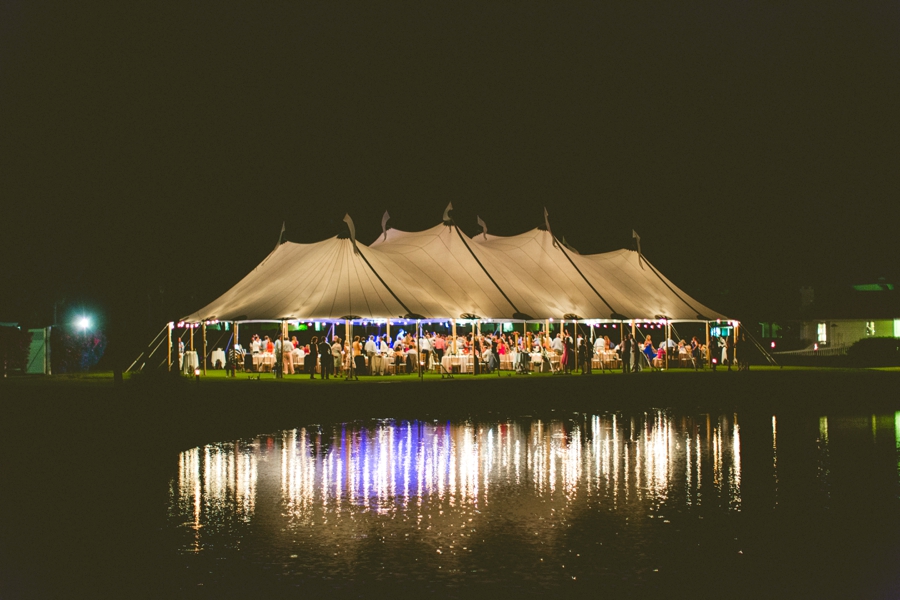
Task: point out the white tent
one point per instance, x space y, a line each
441 273
322 281
613 285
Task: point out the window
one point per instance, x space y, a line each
870 328
822 333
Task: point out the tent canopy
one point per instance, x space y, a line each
440 273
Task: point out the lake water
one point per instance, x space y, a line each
659 503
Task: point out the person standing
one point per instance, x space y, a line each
336 349
424 350
729 351
695 353
371 349
279 358
309 361
325 358
439 344
637 350
359 361
626 354
587 355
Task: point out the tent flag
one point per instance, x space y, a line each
547 225
280 236
567 245
447 212
483 227
384 221
352 229
635 236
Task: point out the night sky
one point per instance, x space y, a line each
151 150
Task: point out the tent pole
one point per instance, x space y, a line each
575 342
734 345
547 333
390 341
204 347
169 359
709 355
453 323
283 342
666 342
236 342
348 330
418 346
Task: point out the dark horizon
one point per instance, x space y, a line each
753 147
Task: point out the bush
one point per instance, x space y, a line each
875 352
75 352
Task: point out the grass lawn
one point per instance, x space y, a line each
106 377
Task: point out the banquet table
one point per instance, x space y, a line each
456 363
189 362
263 361
217 355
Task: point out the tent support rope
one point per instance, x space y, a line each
387 287
560 246
455 226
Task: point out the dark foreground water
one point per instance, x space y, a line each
658 503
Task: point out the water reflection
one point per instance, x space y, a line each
442 476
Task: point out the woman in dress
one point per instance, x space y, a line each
309 361
359 361
336 350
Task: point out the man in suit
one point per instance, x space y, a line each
626 353
325 359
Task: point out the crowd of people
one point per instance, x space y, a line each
523 352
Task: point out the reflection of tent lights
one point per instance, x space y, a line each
422 467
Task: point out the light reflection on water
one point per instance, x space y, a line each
536 502
432 494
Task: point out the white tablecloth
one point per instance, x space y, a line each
463 364
217 355
189 362
263 361
378 365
